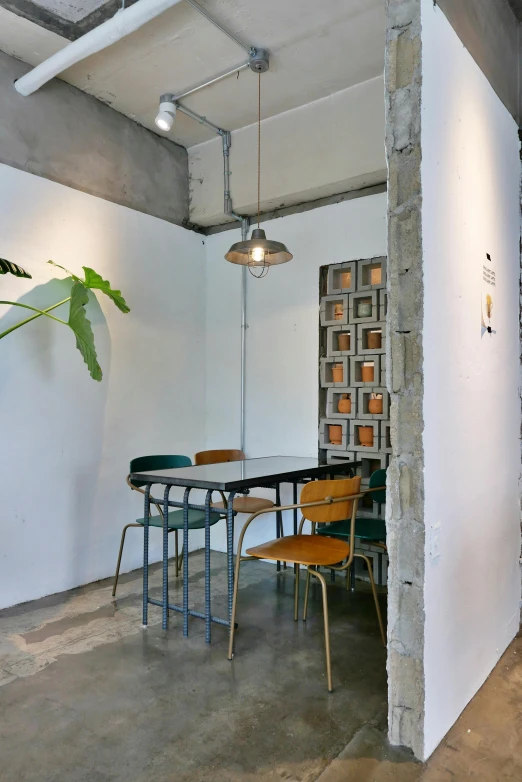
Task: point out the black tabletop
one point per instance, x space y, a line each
246 474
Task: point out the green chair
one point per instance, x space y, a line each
175 520
371 530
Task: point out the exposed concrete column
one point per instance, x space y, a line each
405 509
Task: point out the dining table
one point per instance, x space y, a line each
227 479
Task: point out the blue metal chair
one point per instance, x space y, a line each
175 520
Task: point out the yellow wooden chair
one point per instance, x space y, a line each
321 502
240 504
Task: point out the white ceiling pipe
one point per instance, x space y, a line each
124 22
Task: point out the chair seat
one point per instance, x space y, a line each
246 504
365 529
303 550
196 519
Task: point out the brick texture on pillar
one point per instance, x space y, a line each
405 506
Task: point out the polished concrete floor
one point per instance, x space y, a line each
87 695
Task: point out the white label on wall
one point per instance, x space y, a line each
488 294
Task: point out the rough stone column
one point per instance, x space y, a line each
405 508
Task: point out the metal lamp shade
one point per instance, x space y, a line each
275 252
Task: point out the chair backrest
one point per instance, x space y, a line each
315 491
378 478
216 457
165 462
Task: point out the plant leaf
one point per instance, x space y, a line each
81 326
12 268
75 278
94 281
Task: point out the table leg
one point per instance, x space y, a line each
278 518
185 562
165 595
208 613
146 512
294 502
230 551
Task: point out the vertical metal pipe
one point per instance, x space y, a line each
244 235
165 580
146 513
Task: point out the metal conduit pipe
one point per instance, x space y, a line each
124 22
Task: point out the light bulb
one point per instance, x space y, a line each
257 254
166 114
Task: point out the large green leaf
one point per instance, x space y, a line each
94 281
12 268
81 326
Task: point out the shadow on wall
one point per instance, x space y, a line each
53 417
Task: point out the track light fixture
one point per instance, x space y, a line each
167 112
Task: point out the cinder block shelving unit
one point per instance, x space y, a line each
353 305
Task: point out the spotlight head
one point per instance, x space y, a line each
167 112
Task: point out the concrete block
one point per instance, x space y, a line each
363 398
329 305
327 380
371 462
384 382
385 442
332 399
379 561
359 297
342 278
354 441
332 344
324 434
356 365
383 305
363 329
338 457
371 274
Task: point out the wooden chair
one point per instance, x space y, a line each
245 504
175 520
321 502
367 528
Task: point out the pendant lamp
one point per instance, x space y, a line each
258 252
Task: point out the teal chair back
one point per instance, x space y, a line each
378 478
168 462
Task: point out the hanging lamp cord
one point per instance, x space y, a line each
258 147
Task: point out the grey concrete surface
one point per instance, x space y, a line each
87 695
490 31
405 508
62 134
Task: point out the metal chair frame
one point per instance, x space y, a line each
354 498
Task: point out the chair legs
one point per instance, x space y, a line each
296 593
178 557
119 556
307 590
375 597
326 626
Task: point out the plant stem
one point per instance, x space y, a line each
39 313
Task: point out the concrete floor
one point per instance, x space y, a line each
87 695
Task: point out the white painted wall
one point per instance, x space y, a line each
67 440
282 336
470 178
322 148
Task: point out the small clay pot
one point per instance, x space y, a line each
343 341
335 432
367 373
338 311
375 406
365 436
344 404
376 276
346 280
374 340
337 373
364 309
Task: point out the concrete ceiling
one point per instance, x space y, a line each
318 47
